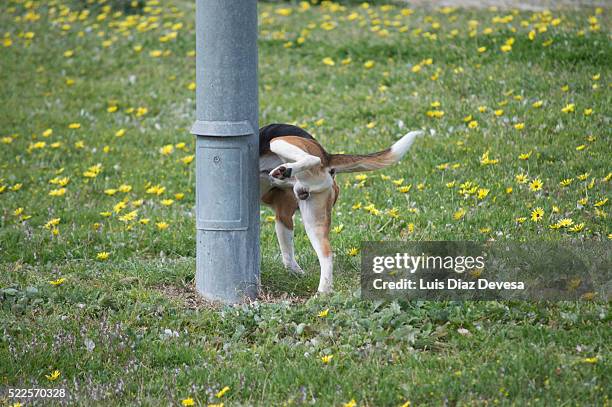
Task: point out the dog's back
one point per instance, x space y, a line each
272 131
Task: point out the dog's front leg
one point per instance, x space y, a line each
316 215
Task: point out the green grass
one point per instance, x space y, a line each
269 352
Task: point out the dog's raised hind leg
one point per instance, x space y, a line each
296 160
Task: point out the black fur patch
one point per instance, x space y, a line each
272 131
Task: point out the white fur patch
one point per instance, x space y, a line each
402 145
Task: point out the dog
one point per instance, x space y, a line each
297 173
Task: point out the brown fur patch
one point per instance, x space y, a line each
365 162
284 203
312 147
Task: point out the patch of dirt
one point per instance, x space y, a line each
188 296
268 297
191 299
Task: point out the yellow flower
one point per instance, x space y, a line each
590 360
162 225
188 402
187 159
537 214
120 133
338 229
102 255
284 11
570 108
485 160
328 25
393 213
119 206
482 49
519 126
536 184
57 192
130 216
437 114
328 61
601 203
49 224
537 104
371 125
588 112
353 251
323 313
473 124
498 112
520 220
222 392
482 193
351 403
524 156
57 282
577 227
74 126
327 358
167 202
53 376
405 189
167 149
156 189
459 214
368 64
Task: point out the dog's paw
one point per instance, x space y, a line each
324 289
294 268
302 193
281 172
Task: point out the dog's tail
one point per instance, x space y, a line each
373 161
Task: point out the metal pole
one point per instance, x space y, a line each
227 156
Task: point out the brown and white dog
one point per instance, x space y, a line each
297 172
